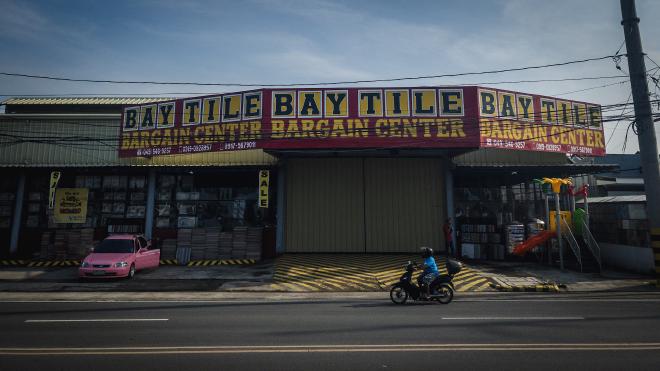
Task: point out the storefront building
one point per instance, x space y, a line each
252 174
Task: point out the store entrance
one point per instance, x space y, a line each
364 205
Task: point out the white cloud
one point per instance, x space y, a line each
318 40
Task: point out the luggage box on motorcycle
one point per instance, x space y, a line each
454 266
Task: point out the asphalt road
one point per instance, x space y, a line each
607 331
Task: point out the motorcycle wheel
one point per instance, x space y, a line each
398 295
446 294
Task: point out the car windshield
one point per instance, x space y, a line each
115 246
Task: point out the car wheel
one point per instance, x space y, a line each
131 272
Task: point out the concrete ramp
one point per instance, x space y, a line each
357 272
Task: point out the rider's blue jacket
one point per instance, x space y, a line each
431 267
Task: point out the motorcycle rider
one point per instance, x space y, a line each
430 272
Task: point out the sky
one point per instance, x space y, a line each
291 41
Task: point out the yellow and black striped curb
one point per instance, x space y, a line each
76 263
12 263
206 263
544 287
54 263
655 245
335 272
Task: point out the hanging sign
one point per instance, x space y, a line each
517 121
71 205
264 179
54 179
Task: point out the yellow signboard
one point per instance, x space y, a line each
264 178
71 205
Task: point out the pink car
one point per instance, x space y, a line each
120 255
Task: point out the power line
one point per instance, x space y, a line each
559 64
112 124
19 95
619 121
592 88
80 141
111 142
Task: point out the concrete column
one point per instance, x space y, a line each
449 191
151 200
281 207
18 211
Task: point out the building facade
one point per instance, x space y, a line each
378 173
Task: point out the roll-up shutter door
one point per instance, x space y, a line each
373 205
403 204
325 205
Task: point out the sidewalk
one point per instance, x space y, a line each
165 278
314 273
530 274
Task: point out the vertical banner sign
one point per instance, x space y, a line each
71 205
54 179
264 176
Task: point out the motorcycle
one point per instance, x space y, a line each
442 288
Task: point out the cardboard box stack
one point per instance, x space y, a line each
225 245
211 248
184 238
85 243
198 244
168 248
239 242
254 236
46 247
60 244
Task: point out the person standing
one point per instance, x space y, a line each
447 228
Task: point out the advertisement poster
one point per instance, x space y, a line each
71 205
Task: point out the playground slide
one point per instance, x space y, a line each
532 242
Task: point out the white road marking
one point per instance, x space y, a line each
561 300
489 347
267 300
96 320
512 318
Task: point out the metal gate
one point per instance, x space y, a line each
362 205
404 205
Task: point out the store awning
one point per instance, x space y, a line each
499 175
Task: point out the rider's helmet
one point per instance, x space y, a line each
426 252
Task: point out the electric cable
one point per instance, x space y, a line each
488 72
130 95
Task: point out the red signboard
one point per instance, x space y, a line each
342 118
537 123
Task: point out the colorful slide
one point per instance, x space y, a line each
532 242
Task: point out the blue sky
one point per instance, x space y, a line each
259 41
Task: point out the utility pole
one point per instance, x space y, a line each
648 146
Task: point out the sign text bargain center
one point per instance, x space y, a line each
443 117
